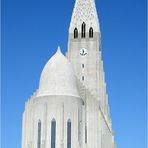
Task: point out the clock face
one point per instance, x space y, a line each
83 51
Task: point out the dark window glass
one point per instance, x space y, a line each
85 134
53 133
91 32
39 134
83 78
69 134
82 65
75 33
83 30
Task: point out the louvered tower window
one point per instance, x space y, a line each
83 30
75 33
91 32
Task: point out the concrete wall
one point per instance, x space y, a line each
60 108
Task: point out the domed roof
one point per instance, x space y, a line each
58 77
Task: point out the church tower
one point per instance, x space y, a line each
70 107
85 54
84 50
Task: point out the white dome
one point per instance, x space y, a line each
58 77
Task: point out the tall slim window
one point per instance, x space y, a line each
85 134
83 30
75 33
82 65
69 134
82 78
53 133
39 135
91 32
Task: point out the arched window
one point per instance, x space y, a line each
83 30
85 134
83 65
69 133
82 78
53 133
91 32
75 33
39 135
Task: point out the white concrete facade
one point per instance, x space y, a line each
70 108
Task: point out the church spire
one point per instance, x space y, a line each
84 44
84 11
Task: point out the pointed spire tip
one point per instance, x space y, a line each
59 49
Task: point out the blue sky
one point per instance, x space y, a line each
31 32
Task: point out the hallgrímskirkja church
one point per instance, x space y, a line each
70 108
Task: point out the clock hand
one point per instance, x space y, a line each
83 51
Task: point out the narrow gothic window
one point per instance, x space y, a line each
69 134
82 78
75 33
83 30
53 133
91 32
82 65
85 134
39 135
